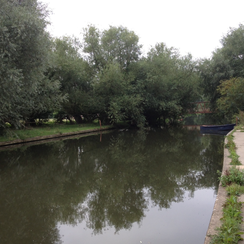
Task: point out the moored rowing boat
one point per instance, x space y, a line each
226 127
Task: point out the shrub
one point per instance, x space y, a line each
235 189
233 175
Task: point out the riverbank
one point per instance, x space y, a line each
217 214
58 132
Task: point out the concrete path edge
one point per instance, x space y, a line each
217 213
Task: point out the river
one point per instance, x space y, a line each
120 187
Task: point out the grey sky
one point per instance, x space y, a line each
192 26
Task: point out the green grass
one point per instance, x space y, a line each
47 129
229 231
233 180
232 150
235 189
230 176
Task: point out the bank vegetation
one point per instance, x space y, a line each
103 75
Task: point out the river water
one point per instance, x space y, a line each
120 187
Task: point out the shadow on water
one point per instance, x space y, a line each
102 183
205 119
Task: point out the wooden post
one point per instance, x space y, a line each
100 124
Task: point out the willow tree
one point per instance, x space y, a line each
170 84
226 63
75 76
111 54
26 93
117 44
231 100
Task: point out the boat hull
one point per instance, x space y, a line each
217 128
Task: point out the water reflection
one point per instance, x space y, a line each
104 184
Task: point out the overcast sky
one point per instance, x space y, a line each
191 26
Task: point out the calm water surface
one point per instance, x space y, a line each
122 187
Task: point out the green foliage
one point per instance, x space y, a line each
235 189
232 96
232 150
233 49
234 158
170 84
74 75
225 64
24 52
47 129
229 232
117 44
120 45
233 175
105 75
212 71
233 178
240 117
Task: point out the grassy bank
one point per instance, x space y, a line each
232 148
47 129
229 231
233 181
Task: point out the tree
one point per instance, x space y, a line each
232 97
117 44
212 72
117 97
171 84
92 47
112 54
120 45
75 77
233 49
226 63
24 58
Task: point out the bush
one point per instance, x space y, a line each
233 175
235 189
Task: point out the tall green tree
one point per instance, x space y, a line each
226 63
233 50
171 84
117 44
212 72
75 76
118 99
112 54
120 45
24 58
232 97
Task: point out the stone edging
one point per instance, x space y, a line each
42 138
217 213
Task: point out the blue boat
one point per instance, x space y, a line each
216 128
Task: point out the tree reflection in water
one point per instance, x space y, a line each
104 183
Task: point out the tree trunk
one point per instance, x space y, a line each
78 119
31 122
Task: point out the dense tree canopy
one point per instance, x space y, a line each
232 97
104 75
24 57
170 84
75 76
117 44
226 64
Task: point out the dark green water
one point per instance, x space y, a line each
129 187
